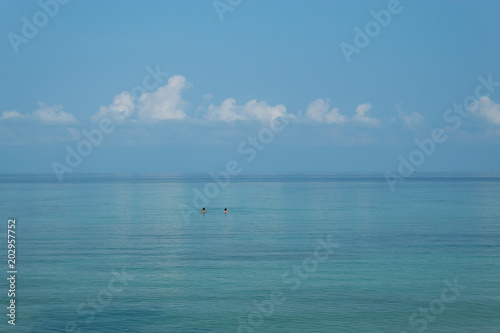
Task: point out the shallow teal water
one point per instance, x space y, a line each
115 254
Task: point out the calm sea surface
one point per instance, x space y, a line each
295 253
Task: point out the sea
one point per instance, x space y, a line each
294 253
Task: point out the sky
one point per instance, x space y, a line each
279 86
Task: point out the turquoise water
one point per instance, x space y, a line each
117 254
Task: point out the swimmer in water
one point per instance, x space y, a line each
203 210
225 210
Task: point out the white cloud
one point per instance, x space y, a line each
165 103
410 120
11 114
487 109
50 115
53 115
318 110
229 111
121 108
361 116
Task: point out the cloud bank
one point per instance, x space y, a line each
230 111
45 114
319 111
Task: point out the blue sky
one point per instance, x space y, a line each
221 81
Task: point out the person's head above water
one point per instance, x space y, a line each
225 210
203 210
